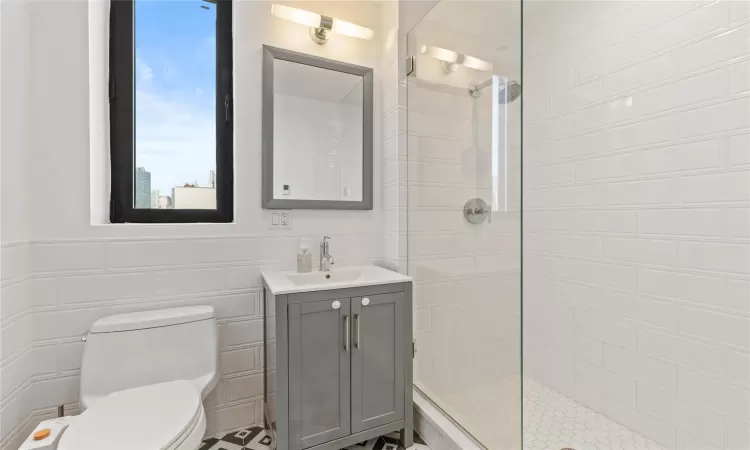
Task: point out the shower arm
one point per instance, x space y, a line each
483 84
476 89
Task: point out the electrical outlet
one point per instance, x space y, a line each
281 221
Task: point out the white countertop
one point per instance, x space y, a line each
291 282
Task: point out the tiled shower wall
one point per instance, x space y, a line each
466 276
637 218
82 271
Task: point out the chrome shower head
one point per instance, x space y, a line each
509 91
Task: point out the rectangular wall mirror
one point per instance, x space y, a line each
317 132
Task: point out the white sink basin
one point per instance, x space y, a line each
291 282
344 275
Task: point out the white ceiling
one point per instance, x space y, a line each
311 82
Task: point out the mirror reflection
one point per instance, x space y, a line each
317 133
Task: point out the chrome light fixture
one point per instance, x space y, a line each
451 60
321 26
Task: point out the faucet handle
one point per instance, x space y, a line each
326 238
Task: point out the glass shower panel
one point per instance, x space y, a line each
464 227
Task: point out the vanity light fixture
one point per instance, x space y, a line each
320 26
451 60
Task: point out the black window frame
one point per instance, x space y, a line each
122 125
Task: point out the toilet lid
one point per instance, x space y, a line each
149 418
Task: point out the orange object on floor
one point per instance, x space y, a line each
42 434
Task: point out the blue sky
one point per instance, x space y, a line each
175 91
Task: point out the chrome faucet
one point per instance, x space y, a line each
326 260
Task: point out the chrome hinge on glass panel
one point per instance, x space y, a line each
410 66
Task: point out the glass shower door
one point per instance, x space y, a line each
464 222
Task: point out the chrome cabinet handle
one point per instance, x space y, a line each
346 333
356 331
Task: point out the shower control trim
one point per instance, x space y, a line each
476 211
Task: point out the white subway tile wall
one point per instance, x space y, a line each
394 140
16 337
466 276
47 363
636 226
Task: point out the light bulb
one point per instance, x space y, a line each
299 16
351 29
476 63
451 57
323 23
442 54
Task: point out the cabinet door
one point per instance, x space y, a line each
319 363
377 360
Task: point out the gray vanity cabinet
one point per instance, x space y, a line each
343 366
319 366
377 361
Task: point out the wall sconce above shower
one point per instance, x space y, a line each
451 60
321 26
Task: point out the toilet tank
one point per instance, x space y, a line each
137 349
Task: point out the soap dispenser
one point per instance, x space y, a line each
304 257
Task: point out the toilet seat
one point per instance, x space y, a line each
163 416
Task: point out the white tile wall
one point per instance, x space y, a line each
636 224
467 290
60 272
16 360
51 362
394 139
78 297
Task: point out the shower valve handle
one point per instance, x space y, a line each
477 211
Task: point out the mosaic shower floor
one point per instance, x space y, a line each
553 421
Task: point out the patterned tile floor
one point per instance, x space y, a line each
553 421
256 438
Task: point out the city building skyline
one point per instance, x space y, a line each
142 188
189 195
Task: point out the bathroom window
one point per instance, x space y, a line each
170 65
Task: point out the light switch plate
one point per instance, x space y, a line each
275 219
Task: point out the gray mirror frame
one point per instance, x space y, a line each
269 55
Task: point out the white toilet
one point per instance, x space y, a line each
143 378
